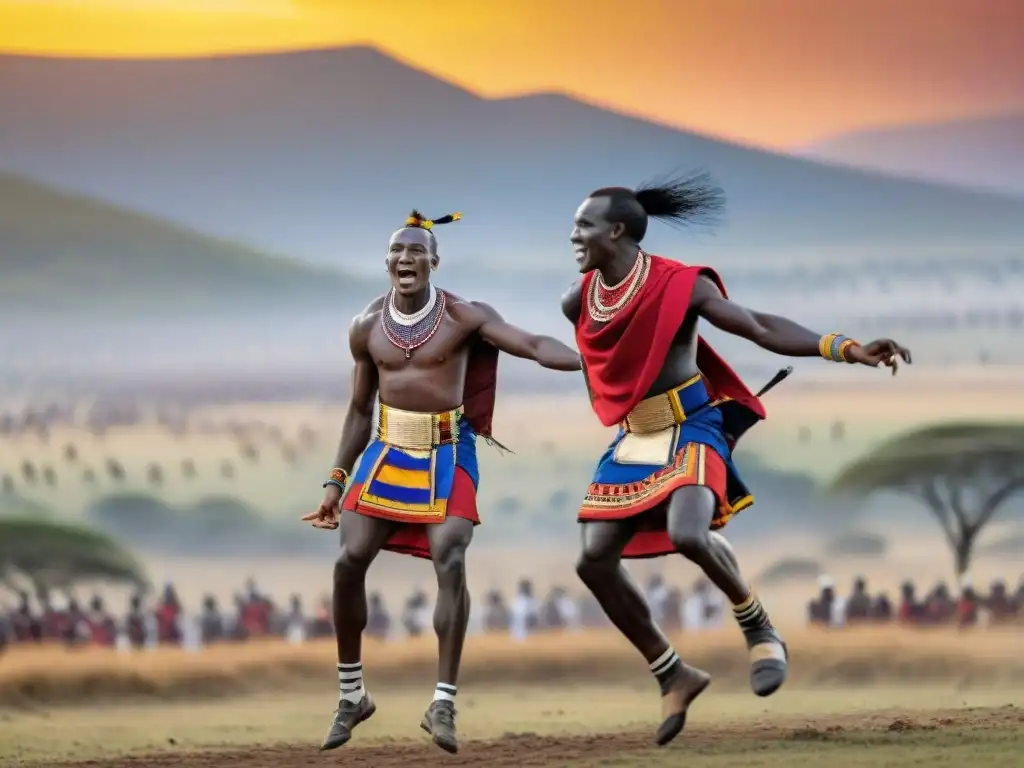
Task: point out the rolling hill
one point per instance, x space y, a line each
320 154
63 253
983 153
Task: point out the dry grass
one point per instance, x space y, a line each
890 656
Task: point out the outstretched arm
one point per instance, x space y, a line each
780 335
545 350
776 334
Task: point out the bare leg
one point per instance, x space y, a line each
690 512
600 568
361 541
448 543
718 541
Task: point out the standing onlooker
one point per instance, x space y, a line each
524 611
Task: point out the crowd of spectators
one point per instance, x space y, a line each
968 607
255 614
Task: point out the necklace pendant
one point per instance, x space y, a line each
408 353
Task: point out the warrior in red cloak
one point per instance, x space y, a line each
667 482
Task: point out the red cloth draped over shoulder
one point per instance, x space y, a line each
623 357
481 383
481 386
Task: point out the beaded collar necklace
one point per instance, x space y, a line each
407 332
604 302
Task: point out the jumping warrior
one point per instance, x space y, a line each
667 481
431 360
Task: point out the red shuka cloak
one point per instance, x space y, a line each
623 357
481 387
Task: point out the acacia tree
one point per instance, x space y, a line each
963 473
50 555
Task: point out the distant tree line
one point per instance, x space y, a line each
963 473
41 556
213 526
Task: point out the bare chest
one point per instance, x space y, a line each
447 347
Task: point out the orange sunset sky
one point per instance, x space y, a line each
778 73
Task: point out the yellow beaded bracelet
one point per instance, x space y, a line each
834 346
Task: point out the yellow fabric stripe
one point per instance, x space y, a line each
404 478
677 406
743 503
417 510
432 474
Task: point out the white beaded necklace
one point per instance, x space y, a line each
409 320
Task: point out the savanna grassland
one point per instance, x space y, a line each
854 698
555 439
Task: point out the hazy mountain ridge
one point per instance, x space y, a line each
321 154
64 252
200 307
983 152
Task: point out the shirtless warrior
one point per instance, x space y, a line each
667 481
431 358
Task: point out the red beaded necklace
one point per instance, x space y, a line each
604 302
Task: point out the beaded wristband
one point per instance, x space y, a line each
834 346
338 477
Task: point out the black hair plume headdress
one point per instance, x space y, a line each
682 199
418 220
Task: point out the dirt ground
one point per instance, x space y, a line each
530 725
855 699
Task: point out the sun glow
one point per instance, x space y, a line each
778 74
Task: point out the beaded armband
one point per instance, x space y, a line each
834 346
338 477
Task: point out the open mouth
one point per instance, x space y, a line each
405 275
